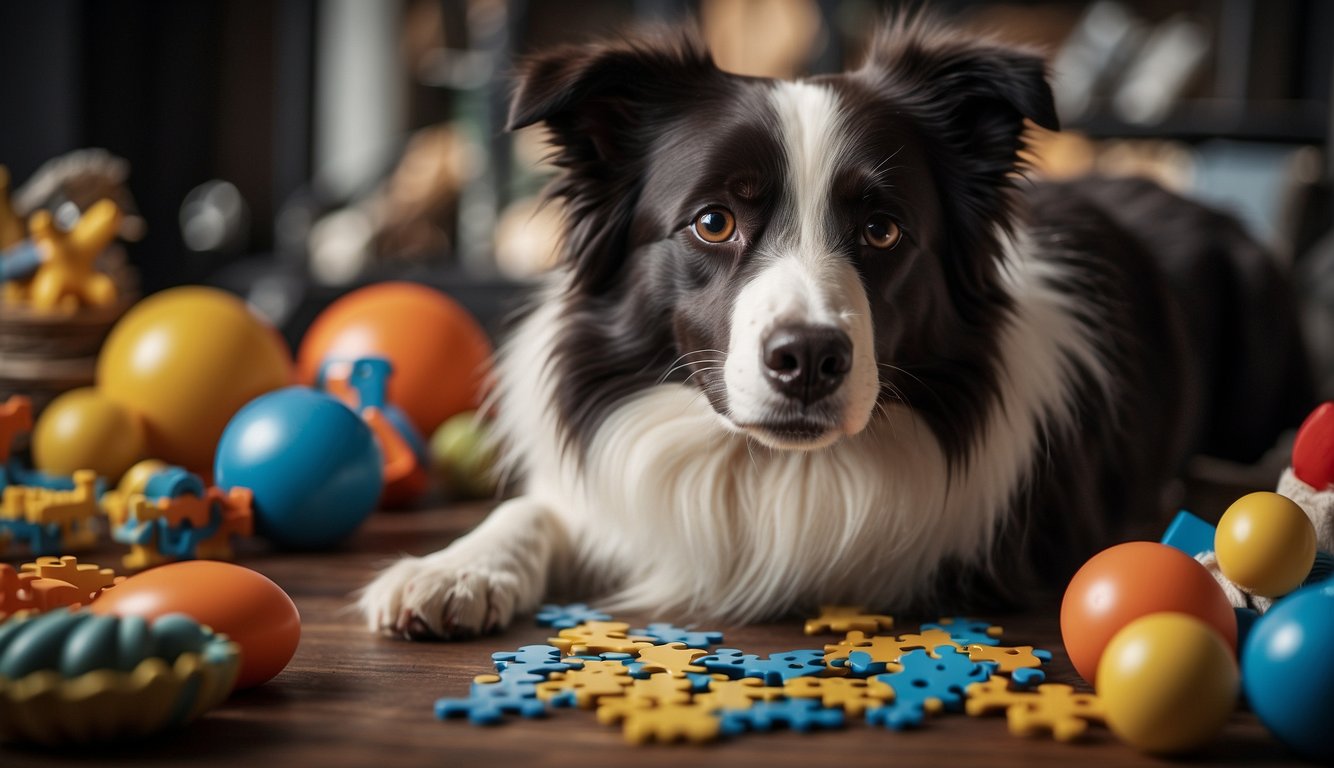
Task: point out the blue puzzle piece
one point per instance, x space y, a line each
775 670
860 664
539 660
1027 677
965 631
1189 534
608 656
797 714
923 678
567 616
489 702
666 633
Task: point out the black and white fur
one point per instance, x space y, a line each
1021 374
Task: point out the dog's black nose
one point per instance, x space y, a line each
807 362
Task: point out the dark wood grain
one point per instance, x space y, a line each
350 698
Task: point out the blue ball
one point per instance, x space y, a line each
1287 670
311 462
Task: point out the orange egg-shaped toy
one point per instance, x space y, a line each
238 602
1121 584
186 360
439 352
85 429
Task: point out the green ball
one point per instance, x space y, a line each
463 456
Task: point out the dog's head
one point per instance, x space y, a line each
800 251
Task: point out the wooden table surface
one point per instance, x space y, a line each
352 698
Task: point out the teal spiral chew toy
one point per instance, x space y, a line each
73 677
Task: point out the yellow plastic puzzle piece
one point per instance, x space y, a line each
1053 708
847 618
594 637
885 648
88 578
696 722
654 691
853 696
738 694
1007 658
594 681
673 658
68 279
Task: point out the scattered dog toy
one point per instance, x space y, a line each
1052 708
926 685
842 619
50 521
569 616
666 691
666 633
592 637
796 714
176 518
965 631
673 659
852 695
67 278
1189 534
882 652
775 670
73 677
585 686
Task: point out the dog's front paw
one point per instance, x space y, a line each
445 595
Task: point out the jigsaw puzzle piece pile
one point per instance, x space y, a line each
664 683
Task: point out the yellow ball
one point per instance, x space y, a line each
84 429
186 360
135 478
1167 682
1265 543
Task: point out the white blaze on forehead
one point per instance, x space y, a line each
804 280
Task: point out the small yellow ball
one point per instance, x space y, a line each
85 429
1167 682
1265 544
135 479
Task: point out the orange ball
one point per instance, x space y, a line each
238 602
1121 584
439 352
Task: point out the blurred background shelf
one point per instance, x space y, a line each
292 151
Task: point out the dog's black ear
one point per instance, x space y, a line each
973 93
604 105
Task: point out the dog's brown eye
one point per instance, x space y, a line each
715 225
881 232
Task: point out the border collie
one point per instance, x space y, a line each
819 342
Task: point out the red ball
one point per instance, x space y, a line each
235 601
440 354
1121 584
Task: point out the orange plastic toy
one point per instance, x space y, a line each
238 602
186 360
15 420
439 353
1125 582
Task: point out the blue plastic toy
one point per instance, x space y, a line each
667 633
924 679
775 670
966 631
797 714
539 660
1189 534
568 616
488 702
312 463
1287 670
